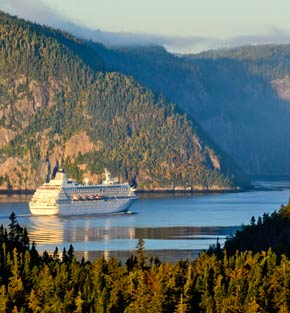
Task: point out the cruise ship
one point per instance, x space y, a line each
63 196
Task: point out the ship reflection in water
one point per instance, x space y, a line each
49 231
97 236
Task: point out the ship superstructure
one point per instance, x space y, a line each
63 196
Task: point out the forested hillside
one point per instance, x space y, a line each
243 282
61 106
241 97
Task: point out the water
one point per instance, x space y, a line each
173 227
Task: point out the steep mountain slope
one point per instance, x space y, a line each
241 97
60 107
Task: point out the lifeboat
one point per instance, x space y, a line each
75 198
98 197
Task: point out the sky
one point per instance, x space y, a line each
183 26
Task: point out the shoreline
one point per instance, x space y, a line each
27 192
13 192
193 191
164 255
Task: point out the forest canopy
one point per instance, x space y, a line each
217 281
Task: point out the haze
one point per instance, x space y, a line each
181 26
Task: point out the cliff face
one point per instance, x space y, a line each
59 108
282 87
18 173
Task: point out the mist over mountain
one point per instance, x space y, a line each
40 12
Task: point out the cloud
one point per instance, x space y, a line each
111 39
274 35
38 11
33 10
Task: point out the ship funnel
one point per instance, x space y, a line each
107 180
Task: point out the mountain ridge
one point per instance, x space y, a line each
53 98
239 96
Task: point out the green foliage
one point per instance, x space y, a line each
270 231
53 88
271 60
243 282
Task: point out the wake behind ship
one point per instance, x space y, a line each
62 196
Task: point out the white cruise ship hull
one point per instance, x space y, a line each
83 208
43 210
101 207
63 197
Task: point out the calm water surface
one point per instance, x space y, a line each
173 227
